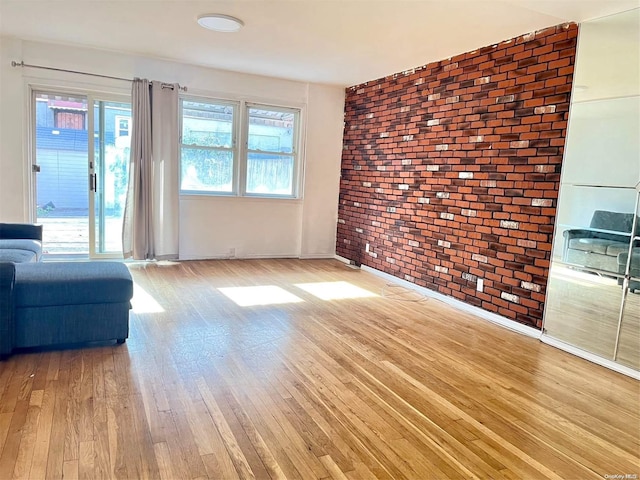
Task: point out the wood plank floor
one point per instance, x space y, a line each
378 384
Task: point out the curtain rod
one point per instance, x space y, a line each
22 64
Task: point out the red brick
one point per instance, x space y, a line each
395 132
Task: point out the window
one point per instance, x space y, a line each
122 126
68 113
208 152
265 163
69 120
271 151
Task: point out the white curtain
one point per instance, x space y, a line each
151 226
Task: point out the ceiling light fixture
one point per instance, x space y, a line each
220 23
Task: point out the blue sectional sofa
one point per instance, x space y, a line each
58 303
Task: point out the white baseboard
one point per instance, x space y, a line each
460 305
238 257
342 259
307 256
610 364
316 256
267 256
208 257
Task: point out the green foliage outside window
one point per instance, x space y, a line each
205 169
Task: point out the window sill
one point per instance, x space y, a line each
238 198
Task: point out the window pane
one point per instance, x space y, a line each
270 174
271 130
207 124
206 170
61 149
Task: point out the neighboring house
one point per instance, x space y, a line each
61 153
62 156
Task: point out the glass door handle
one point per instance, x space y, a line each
93 182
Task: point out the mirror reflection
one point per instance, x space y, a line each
593 292
628 352
583 309
597 238
629 341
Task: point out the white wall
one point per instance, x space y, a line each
13 181
210 227
324 102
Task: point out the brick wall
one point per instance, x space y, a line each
450 171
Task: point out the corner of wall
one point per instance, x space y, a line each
322 170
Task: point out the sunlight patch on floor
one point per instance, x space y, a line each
260 295
143 302
335 290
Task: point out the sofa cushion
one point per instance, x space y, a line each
34 246
16 256
595 245
615 249
64 283
635 259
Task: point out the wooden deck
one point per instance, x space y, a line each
70 235
309 369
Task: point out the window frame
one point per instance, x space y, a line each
240 147
295 146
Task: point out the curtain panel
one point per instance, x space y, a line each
151 214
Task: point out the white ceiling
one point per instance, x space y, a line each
341 42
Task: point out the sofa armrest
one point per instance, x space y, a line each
7 282
595 233
20 231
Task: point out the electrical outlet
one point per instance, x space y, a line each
480 285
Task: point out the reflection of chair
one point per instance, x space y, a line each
635 268
592 248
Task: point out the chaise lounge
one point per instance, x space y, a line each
59 303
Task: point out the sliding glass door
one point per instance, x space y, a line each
108 176
80 179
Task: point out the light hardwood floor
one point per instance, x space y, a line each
383 386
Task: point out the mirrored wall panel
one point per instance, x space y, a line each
593 292
628 351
